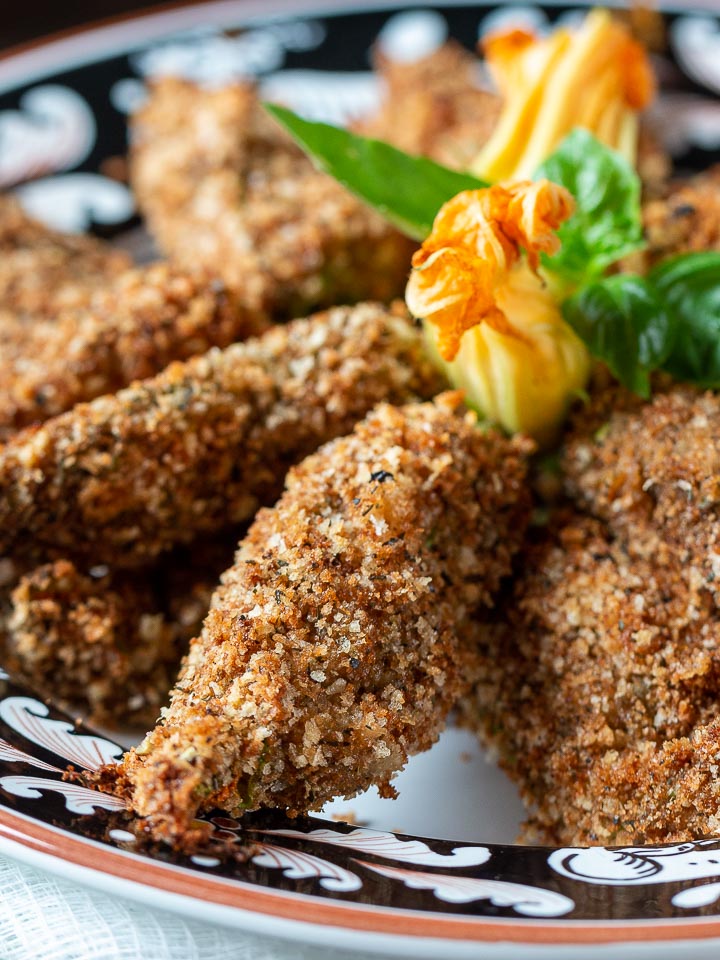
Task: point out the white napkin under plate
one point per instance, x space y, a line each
44 918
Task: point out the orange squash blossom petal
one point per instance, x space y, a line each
476 240
595 76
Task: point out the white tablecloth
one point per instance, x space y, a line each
43 918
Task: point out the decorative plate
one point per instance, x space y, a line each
459 889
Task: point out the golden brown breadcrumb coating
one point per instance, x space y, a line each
79 638
109 644
654 165
202 445
686 218
652 472
597 663
338 642
129 331
42 270
434 106
600 682
222 186
678 786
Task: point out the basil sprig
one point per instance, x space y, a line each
669 320
623 322
606 224
689 285
407 190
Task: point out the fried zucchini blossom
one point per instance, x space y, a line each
596 77
491 318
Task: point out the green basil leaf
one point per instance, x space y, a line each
407 190
606 224
690 285
623 322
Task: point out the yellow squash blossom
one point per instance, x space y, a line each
491 318
596 77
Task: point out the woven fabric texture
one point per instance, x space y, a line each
45 918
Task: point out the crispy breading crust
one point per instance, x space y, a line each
679 786
685 218
338 642
600 686
221 185
434 106
654 165
597 666
652 472
79 638
42 271
145 319
106 644
201 445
